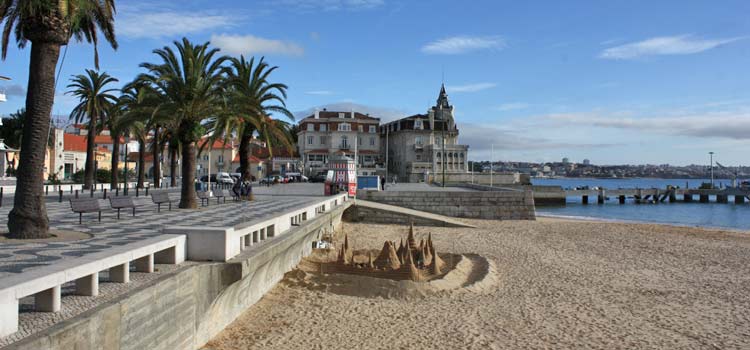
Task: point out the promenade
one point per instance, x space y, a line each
139 240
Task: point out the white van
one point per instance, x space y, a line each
224 178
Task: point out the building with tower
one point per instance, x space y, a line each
424 147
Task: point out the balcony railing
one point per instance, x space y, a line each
343 146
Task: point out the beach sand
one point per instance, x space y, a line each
560 284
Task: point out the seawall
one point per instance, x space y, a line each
185 309
495 205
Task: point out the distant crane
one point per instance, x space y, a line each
733 173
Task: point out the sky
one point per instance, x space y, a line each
616 82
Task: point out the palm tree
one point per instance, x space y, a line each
141 115
251 98
117 128
190 83
94 100
48 25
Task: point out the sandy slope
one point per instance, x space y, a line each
561 284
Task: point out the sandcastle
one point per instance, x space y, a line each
408 261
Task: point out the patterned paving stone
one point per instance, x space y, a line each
110 232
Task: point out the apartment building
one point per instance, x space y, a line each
326 134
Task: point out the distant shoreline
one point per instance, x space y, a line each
637 222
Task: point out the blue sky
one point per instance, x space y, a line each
613 81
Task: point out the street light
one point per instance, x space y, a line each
711 154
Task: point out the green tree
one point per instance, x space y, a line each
48 25
94 101
189 82
117 128
250 99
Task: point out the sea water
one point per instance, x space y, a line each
732 216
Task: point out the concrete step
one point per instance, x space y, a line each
406 214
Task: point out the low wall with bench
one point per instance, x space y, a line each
186 308
496 205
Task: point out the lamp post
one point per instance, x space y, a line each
711 155
125 171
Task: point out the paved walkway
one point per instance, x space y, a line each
22 257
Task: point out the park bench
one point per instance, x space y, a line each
220 194
162 197
203 196
122 202
86 205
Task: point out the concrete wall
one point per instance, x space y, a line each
357 213
185 309
483 179
505 205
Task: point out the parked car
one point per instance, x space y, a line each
318 178
272 179
222 178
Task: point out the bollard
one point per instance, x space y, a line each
147 189
92 191
61 192
71 188
117 191
1 197
136 192
585 199
105 193
622 199
76 194
46 190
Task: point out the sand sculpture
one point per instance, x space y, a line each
410 261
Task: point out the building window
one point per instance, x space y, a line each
205 157
322 140
310 127
342 115
323 127
221 158
315 158
418 140
310 140
344 142
360 128
418 124
372 129
345 127
359 141
419 156
372 141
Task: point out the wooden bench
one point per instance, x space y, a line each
162 197
221 194
121 202
203 196
86 205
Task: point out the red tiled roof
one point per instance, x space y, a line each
253 159
216 145
133 156
74 143
106 140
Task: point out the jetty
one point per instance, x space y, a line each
654 195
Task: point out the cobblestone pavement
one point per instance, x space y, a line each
110 232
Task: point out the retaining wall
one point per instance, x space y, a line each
185 309
496 205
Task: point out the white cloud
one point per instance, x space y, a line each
727 124
319 92
150 21
471 87
249 44
463 44
385 114
512 106
665 45
14 90
330 5
482 137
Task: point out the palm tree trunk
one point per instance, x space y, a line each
247 136
88 173
115 161
28 218
141 159
187 197
173 165
157 162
